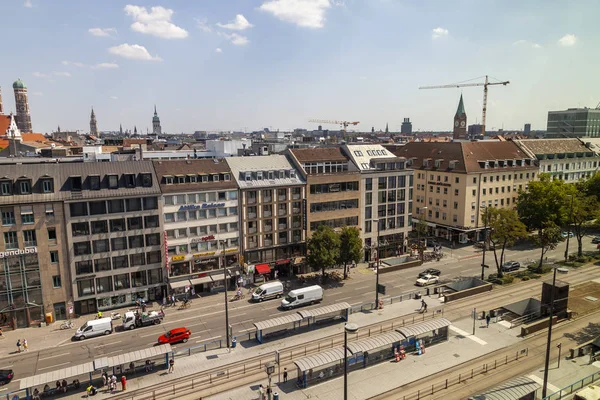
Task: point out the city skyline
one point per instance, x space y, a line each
271 64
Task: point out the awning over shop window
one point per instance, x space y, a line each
263 269
179 284
280 262
199 281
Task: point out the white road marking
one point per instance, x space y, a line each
54 366
108 344
247 330
7 367
346 298
468 335
47 358
363 287
540 381
208 339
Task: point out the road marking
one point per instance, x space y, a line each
468 335
346 298
7 367
54 366
108 344
148 335
540 381
47 358
362 287
247 330
208 339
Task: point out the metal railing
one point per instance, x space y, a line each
524 319
574 386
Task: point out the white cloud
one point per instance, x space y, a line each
218 50
75 64
240 23
133 52
305 13
105 66
157 22
28 4
527 43
568 40
102 32
64 74
202 24
438 33
40 75
235 38
113 97
54 73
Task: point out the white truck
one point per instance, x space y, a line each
134 319
94 327
302 297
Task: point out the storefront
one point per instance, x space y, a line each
202 271
20 288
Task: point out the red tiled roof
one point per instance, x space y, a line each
4 124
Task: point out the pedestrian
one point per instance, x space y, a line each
103 379
64 385
113 380
123 382
285 375
25 346
261 392
487 320
18 345
171 365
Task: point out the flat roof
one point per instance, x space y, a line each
315 312
424 327
271 323
321 359
376 342
513 389
125 359
58 375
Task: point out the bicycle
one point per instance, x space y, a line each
67 325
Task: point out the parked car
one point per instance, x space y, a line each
6 376
175 336
565 234
427 280
596 239
430 271
510 266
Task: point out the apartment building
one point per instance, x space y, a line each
386 184
332 187
34 270
272 217
114 231
568 159
454 182
201 223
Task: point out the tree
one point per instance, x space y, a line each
351 247
323 249
421 230
582 208
505 229
548 238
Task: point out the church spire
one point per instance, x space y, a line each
386 128
93 123
461 107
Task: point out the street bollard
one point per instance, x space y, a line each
275 396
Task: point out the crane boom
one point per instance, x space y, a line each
485 91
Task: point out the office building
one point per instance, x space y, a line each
573 122
201 223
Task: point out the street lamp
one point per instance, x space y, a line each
421 253
377 272
551 314
569 228
222 243
348 328
485 213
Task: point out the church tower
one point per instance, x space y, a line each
460 121
1 107
156 129
22 103
93 124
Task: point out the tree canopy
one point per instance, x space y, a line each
351 247
323 248
505 229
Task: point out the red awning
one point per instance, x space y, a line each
280 262
263 268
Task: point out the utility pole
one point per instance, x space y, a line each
377 273
569 228
551 314
485 241
222 243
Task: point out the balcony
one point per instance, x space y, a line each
251 230
268 228
252 245
268 242
282 227
31 243
267 214
252 215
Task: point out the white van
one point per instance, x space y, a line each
95 327
268 291
303 296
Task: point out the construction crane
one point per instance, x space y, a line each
485 93
342 124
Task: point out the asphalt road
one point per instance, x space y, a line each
206 315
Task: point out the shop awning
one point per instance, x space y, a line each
200 281
263 268
179 284
280 262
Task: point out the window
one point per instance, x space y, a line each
52 235
94 182
27 215
116 206
137 259
136 241
5 188
104 284
134 223
121 281
134 205
117 225
102 264
10 240
97 207
155 276
82 249
151 221
150 203
456 192
120 262
75 183
56 282
100 246
118 243
54 257
47 185
153 239
99 227
85 287
130 180
456 180
113 181
30 238
80 229
138 278
78 209
153 257
8 216
49 210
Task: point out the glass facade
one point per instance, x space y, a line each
20 290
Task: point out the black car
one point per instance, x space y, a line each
6 376
596 239
511 266
430 271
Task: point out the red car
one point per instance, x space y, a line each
175 336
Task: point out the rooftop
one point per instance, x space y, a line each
193 170
362 154
552 146
255 171
319 154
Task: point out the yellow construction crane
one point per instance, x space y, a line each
342 124
485 91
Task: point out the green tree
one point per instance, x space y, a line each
505 229
592 185
582 209
323 249
548 238
351 247
420 234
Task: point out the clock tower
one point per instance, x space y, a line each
22 103
460 122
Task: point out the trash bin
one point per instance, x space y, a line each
275 396
49 318
233 342
418 295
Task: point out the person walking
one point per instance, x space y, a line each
104 379
171 365
261 392
25 346
18 345
487 320
285 375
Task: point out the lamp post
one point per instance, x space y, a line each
377 266
484 242
222 243
421 253
551 314
348 328
569 228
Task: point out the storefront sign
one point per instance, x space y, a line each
210 253
19 252
438 183
231 250
207 261
304 215
203 239
200 206
166 252
177 258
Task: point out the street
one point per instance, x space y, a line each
206 318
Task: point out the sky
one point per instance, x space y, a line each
254 64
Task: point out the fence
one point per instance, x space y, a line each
574 387
389 300
524 319
465 375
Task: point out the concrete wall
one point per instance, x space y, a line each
467 292
398 267
537 326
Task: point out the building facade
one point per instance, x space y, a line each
201 223
272 214
22 105
574 122
386 184
567 159
455 182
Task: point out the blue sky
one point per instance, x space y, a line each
249 64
